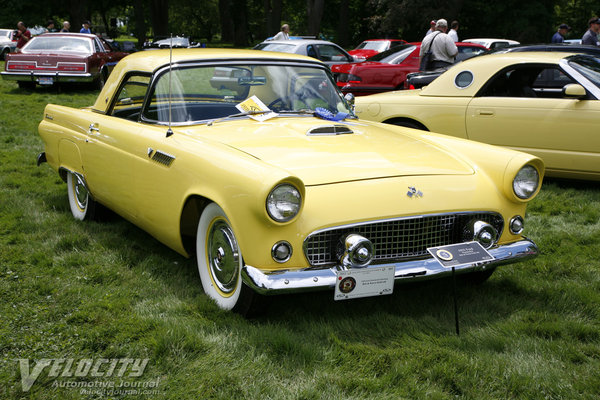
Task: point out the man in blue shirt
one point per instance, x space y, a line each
86 27
591 36
559 36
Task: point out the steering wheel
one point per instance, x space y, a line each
279 104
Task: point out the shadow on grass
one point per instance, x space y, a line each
59 88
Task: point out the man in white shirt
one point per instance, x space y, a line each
454 31
442 47
284 34
432 28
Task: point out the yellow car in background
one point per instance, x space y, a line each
543 103
254 163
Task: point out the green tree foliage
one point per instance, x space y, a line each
345 21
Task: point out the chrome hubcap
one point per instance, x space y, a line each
223 256
81 193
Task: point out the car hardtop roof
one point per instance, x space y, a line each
299 41
150 61
483 67
73 34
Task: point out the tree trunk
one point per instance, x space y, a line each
140 22
314 10
240 23
160 17
226 21
272 17
343 24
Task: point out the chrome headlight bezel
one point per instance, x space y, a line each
283 202
526 182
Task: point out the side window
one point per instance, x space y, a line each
99 48
517 82
331 53
465 52
130 97
311 52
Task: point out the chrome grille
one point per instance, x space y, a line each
397 239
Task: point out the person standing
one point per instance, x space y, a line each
454 31
50 26
559 36
591 36
441 45
431 28
85 28
23 35
284 34
66 26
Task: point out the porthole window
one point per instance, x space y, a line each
464 79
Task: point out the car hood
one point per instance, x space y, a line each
370 151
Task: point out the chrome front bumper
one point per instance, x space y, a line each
56 76
310 279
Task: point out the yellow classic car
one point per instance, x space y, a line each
543 103
255 163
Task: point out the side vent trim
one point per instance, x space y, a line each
163 158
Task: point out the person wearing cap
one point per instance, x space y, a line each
559 36
431 27
86 27
442 46
591 36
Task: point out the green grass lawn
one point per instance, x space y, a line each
108 290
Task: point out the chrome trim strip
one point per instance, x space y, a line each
311 279
15 76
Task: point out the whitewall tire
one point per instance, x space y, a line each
219 258
82 205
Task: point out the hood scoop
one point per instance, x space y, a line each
330 130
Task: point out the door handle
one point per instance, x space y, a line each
485 112
94 129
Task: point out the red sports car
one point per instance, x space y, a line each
387 70
370 47
62 57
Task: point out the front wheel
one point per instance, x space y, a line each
220 263
83 207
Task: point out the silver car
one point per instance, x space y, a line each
6 43
327 52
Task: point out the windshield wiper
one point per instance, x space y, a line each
242 114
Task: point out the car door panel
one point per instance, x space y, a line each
557 130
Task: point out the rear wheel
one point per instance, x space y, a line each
220 264
3 54
101 80
83 207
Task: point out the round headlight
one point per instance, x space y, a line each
283 203
526 182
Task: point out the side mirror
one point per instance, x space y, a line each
349 97
574 90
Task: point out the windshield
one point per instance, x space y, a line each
587 66
379 45
59 43
4 33
202 93
395 55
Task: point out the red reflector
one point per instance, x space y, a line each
411 87
353 81
21 66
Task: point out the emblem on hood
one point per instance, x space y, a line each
414 192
